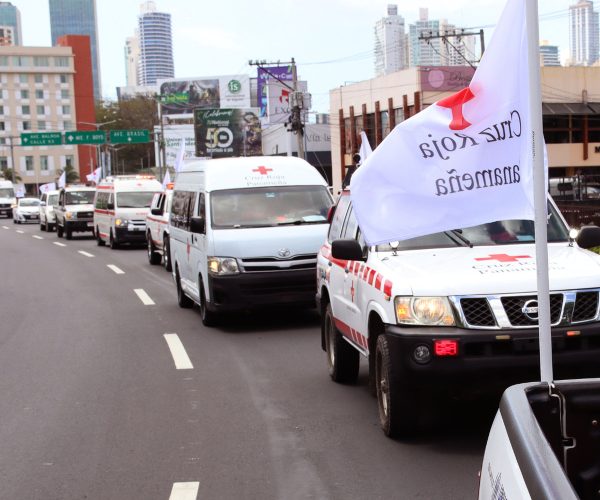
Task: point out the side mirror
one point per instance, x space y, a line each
156 211
197 225
347 250
110 206
589 237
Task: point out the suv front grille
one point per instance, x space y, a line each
507 311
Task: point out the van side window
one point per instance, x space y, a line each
201 212
181 209
335 230
351 226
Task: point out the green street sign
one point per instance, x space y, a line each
85 137
41 139
129 136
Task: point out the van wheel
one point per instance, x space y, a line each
99 241
209 318
49 227
167 254
43 226
397 403
153 256
59 231
182 299
113 243
342 358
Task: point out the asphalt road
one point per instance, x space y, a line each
95 403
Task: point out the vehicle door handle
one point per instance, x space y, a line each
330 263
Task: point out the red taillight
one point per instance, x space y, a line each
445 347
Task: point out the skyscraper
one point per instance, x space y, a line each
583 33
390 43
549 54
78 17
156 45
10 24
132 57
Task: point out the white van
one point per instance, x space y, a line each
7 198
157 228
245 233
120 208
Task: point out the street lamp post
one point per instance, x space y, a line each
101 157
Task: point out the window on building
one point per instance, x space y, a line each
69 161
29 163
23 78
62 62
3 162
43 163
399 115
369 128
40 109
39 94
1 109
41 61
26 109
38 78
385 124
2 127
24 94
64 78
68 125
66 109
2 141
41 125
21 60
26 125
64 94
3 60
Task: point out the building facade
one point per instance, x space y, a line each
571 124
10 25
549 54
390 43
583 33
132 58
155 45
78 17
37 94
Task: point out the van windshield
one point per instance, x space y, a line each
270 206
505 232
79 197
135 199
7 193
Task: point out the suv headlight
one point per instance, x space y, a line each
121 222
220 266
430 311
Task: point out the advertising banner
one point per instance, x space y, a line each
182 96
174 135
278 101
445 78
268 73
227 132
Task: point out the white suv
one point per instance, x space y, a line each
48 201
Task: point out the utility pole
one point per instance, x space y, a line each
12 156
296 100
446 35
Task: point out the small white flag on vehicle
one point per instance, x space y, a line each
62 180
462 161
166 179
365 148
180 156
51 186
94 176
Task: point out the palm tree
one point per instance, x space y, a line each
71 175
8 173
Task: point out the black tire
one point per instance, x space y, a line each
68 233
59 230
153 255
167 254
49 227
342 359
43 226
397 403
112 242
14 221
99 241
209 318
182 299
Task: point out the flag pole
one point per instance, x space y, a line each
539 190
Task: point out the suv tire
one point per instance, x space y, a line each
342 359
167 254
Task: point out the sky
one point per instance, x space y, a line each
330 40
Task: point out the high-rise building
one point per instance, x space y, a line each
132 57
583 33
156 45
549 54
78 17
10 25
390 43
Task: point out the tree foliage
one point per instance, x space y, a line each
7 173
71 175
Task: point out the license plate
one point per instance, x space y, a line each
90 224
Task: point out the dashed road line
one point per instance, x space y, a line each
180 357
38 237
185 491
20 232
5 227
82 252
114 268
144 297
59 244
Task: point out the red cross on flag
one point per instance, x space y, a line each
463 161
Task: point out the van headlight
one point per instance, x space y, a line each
121 222
430 311
220 266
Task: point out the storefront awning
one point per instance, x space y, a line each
570 108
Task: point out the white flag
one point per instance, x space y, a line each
94 176
51 186
166 179
462 161
62 180
180 156
365 148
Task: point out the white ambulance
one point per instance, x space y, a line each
245 232
157 228
120 208
7 198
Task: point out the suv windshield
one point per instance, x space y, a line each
7 193
493 233
79 197
138 199
270 206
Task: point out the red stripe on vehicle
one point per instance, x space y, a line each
387 288
378 279
354 335
105 212
372 276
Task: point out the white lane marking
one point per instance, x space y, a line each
182 360
185 491
5 227
20 232
38 237
85 253
144 297
114 268
59 244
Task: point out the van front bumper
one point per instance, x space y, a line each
262 289
125 235
78 225
488 359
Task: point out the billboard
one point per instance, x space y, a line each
182 96
278 101
267 74
227 132
445 78
174 134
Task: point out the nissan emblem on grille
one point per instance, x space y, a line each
284 252
530 309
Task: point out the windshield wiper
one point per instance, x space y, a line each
458 234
